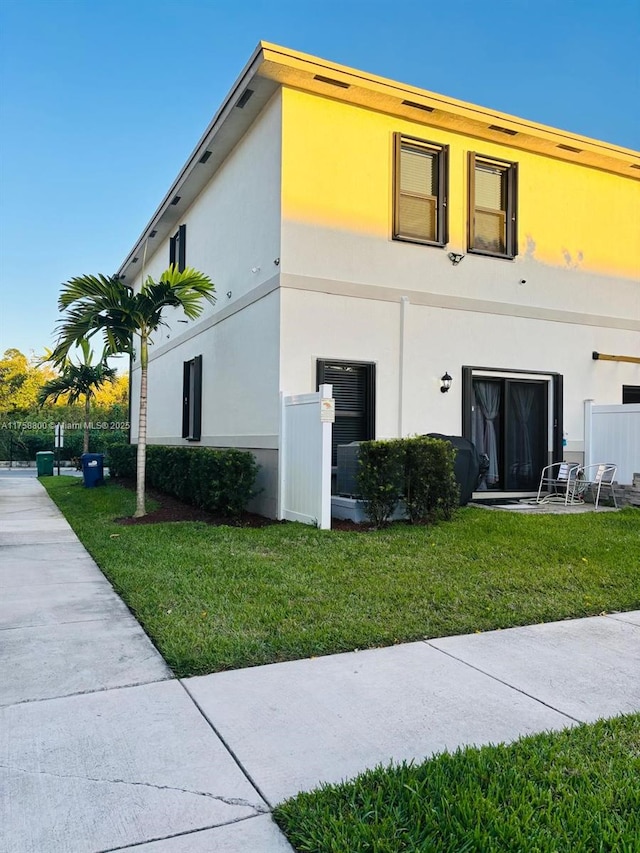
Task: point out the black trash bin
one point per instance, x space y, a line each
93 469
467 465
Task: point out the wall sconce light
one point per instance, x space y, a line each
446 383
455 258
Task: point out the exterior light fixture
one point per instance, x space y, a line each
446 383
455 258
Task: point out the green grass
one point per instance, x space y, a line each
215 598
571 792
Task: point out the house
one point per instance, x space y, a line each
378 237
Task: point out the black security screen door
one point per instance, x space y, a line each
354 392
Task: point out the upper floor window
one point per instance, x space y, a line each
178 248
493 186
420 191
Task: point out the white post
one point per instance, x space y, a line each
327 417
281 459
588 432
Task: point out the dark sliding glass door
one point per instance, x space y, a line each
509 422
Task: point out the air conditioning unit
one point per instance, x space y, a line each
347 474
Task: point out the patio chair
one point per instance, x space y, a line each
595 478
561 484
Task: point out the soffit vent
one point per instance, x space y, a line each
331 81
244 97
416 106
153 233
205 157
175 199
570 148
635 166
503 130
134 261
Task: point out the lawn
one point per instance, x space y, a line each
572 792
215 598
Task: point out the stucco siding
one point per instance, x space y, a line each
577 226
437 340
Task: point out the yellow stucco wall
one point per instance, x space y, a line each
337 172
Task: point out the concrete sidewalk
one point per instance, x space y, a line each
101 749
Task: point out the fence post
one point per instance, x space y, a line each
326 393
281 460
588 431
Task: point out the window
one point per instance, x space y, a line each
492 206
354 386
420 191
178 248
192 399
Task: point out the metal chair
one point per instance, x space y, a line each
595 478
560 481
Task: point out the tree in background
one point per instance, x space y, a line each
20 380
126 321
79 381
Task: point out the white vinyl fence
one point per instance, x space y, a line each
305 457
612 434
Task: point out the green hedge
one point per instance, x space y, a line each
220 481
418 470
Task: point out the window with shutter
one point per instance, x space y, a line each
492 207
420 191
192 399
178 248
354 392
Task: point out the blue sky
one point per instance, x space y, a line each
102 102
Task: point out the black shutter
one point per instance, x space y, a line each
197 399
186 375
182 249
172 251
630 394
512 210
354 393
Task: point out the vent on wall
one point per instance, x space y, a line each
570 148
244 97
418 106
331 81
503 130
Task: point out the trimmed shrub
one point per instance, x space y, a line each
121 460
418 470
380 478
430 487
220 481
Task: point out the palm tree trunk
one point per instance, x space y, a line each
142 431
87 398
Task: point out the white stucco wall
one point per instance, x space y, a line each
321 325
239 378
233 227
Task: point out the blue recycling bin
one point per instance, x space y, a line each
93 469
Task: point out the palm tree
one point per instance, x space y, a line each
77 381
104 304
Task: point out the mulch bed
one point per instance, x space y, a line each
171 509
